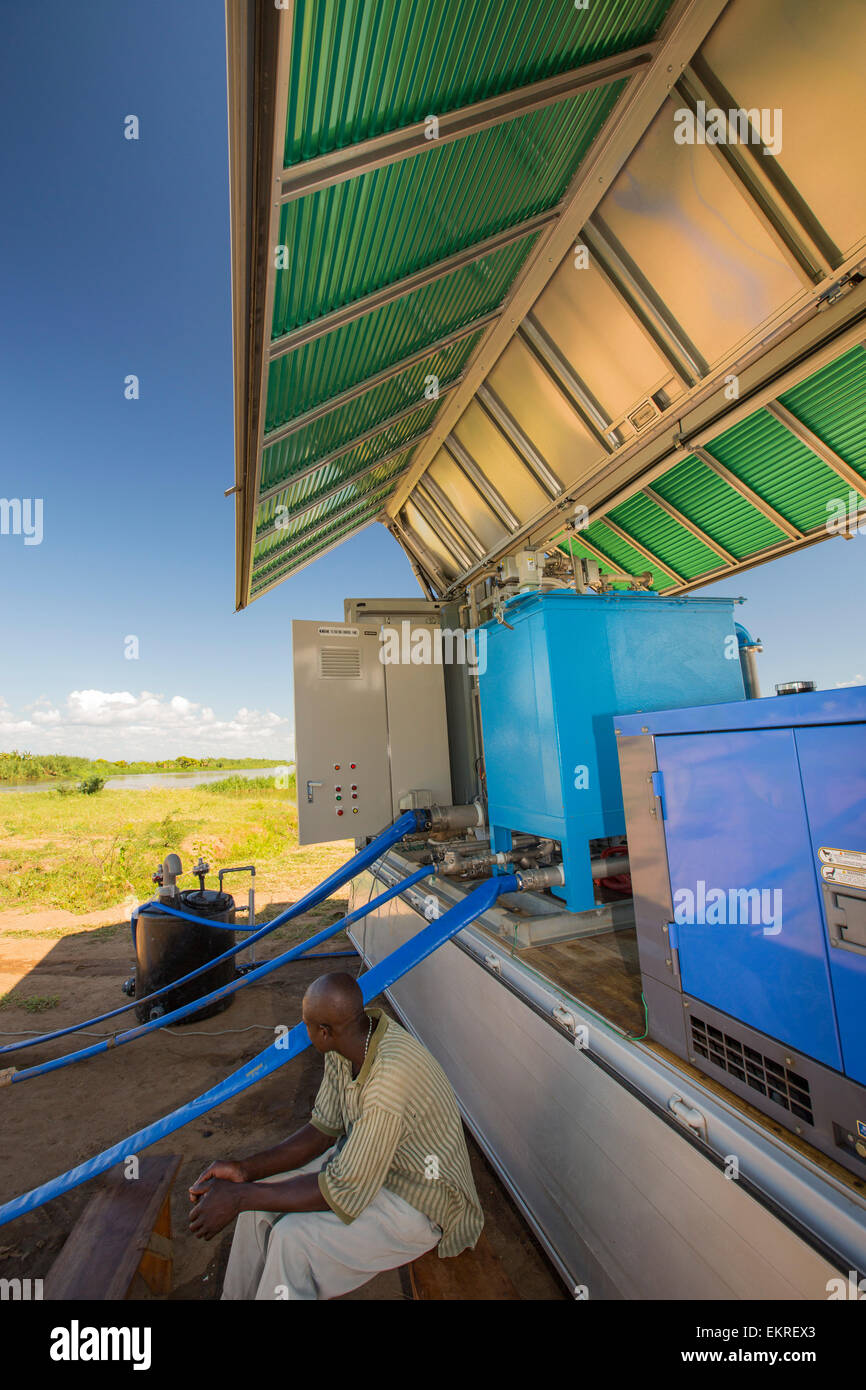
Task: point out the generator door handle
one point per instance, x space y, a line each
310 786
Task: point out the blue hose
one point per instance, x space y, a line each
381 977
404 825
298 952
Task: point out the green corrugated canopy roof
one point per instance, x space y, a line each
400 171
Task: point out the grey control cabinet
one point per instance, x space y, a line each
366 731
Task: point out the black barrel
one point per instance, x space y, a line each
166 948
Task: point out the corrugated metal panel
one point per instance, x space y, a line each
832 402
303 552
370 231
346 423
322 369
359 70
306 494
726 516
277 543
771 461
646 521
346 465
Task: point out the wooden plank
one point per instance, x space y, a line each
106 1245
475 1276
155 1267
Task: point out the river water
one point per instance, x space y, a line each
145 781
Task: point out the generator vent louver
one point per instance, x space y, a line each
787 1088
339 663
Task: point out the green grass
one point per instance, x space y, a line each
242 786
31 1003
51 767
83 853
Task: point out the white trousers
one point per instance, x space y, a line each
314 1255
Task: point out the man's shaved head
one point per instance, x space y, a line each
333 1011
334 999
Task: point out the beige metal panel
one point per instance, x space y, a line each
806 59
460 491
414 694
607 348
542 411
417 726
699 244
430 540
496 458
340 719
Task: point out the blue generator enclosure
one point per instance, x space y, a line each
764 806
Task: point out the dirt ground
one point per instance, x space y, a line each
52 1122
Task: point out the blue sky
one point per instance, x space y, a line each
115 260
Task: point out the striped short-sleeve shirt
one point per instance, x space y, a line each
397 1126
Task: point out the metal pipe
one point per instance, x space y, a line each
551 877
465 866
749 646
611 866
456 817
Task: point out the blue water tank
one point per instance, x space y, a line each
549 686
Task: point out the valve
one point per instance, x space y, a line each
201 870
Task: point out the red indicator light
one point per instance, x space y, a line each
353 766
354 787
354 796
336 767
339 813
338 789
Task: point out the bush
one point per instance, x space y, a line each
91 785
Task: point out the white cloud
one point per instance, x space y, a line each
858 680
117 724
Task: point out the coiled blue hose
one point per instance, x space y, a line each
240 982
381 977
405 824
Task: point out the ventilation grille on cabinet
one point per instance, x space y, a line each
339 663
762 1074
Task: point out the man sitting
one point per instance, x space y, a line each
318 1218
